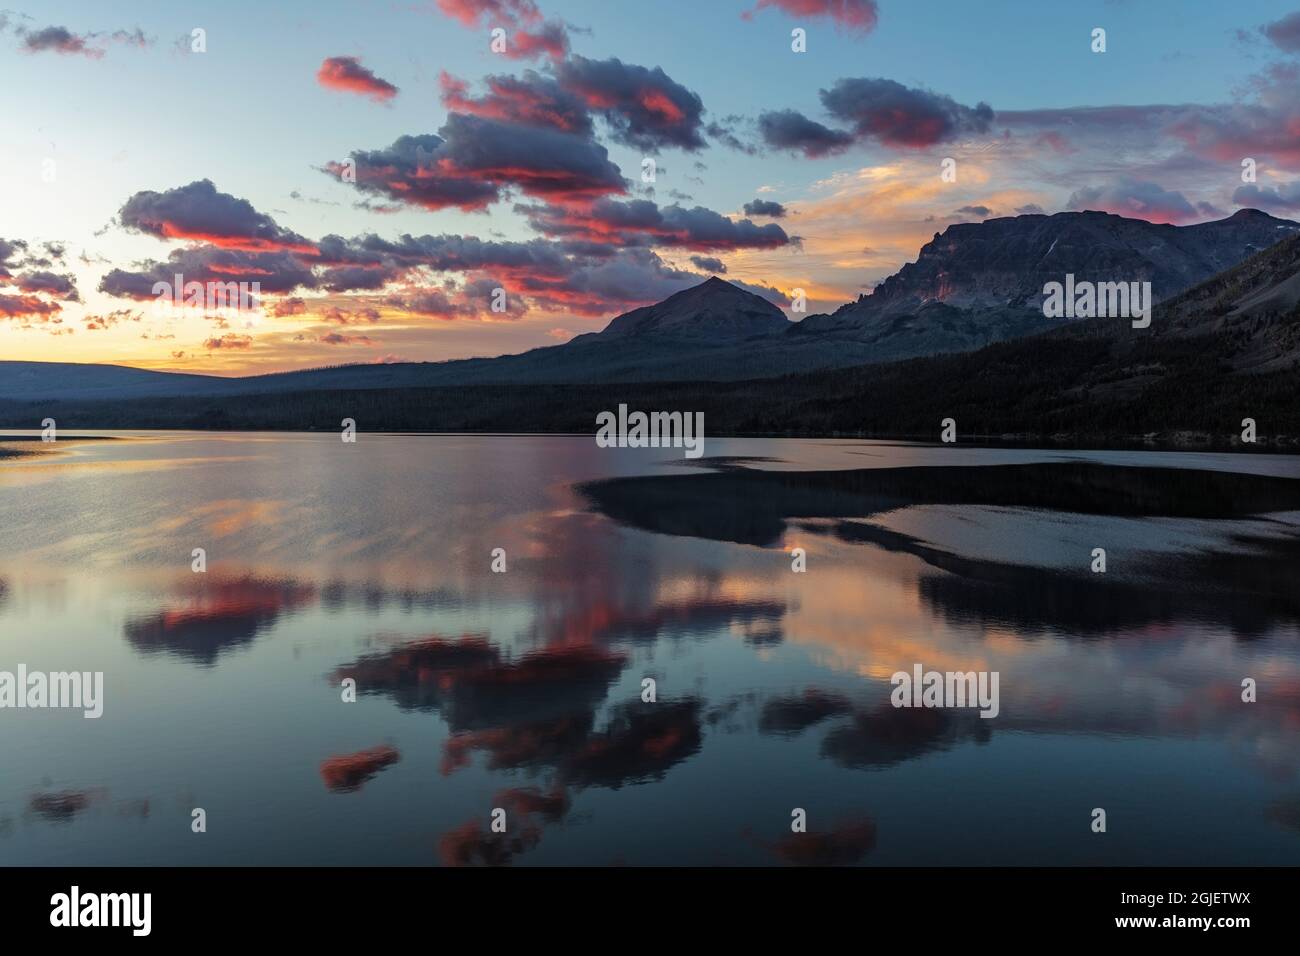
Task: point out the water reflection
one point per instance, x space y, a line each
886 735
472 843
472 686
524 691
63 806
216 617
1242 576
349 772
845 843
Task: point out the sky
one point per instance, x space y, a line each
439 179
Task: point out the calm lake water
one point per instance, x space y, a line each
522 690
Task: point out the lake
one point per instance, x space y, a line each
522 690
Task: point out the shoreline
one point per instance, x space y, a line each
1179 441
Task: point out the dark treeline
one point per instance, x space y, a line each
1071 388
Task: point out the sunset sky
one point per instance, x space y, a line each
128 157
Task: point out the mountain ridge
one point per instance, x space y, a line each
1225 350
961 294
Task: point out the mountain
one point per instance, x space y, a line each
1002 264
1253 307
714 310
1224 350
974 285
934 328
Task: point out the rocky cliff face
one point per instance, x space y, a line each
1004 263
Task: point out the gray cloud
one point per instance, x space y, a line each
790 129
903 117
475 158
199 211
764 207
1284 197
645 108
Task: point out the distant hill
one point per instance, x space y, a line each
43 380
682 336
1252 307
